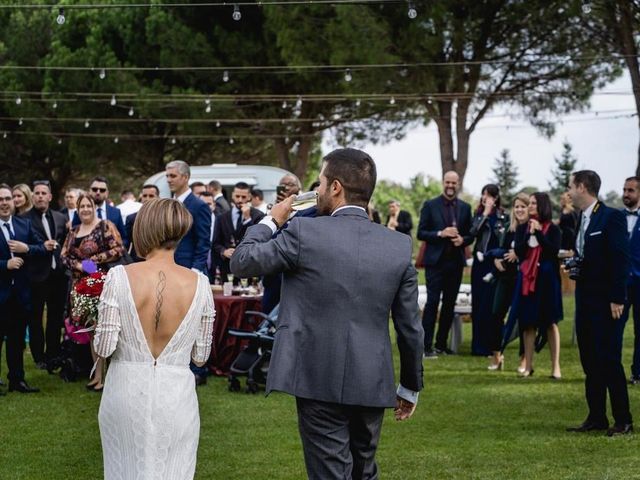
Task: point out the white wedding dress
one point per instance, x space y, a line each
149 419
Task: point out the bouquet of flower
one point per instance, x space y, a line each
85 298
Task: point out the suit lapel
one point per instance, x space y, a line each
4 246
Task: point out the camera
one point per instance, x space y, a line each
573 265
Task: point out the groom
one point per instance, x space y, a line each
343 274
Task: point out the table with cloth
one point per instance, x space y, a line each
230 313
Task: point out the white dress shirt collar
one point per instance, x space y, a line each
184 196
347 206
589 210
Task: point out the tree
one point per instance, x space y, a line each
565 165
617 24
505 174
613 199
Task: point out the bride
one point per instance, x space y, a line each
154 317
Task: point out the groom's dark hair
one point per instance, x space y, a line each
356 172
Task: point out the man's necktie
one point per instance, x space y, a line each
100 214
581 233
630 213
239 222
47 231
7 225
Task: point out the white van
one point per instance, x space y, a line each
228 174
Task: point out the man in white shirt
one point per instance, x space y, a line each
257 200
631 200
129 204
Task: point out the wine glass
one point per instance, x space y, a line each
244 283
230 277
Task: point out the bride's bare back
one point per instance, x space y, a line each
163 294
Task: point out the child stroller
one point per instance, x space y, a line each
253 360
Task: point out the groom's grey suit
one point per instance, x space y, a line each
343 274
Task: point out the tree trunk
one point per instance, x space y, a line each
450 160
282 153
302 158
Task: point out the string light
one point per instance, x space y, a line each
225 76
412 12
55 105
347 75
59 141
4 135
86 123
20 121
131 112
113 101
236 15
586 7
60 18
217 124
173 141
231 141
116 140
102 74
392 101
18 100
284 105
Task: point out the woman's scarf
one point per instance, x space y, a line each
531 265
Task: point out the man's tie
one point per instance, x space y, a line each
47 231
239 221
630 213
7 225
581 233
100 214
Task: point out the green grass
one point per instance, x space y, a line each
470 424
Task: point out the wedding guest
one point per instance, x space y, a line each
70 204
19 243
49 281
93 242
222 205
149 192
538 305
257 200
568 223
129 205
505 261
99 192
373 213
289 185
198 188
631 201
22 199
399 220
486 228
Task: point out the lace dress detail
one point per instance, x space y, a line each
148 417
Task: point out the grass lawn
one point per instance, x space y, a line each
470 424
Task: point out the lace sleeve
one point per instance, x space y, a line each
202 347
108 326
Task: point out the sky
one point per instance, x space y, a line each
608 146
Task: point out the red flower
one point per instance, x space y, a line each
91 285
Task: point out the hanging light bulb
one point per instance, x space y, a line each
59 141
131 112
20 121
284 105
236 15
347 75
173 141
55 105
586 7
208 109
225 76
18 101
392 101
358 102
86 123
102 74
4 135
60 18
412 12
231 141
299 102
116 140
113 101
217 124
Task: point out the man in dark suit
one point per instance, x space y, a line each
18 243
49 280
99 191
399 220
602 245
332 348
631 200
232 225
193 249
70 205
444 225
222 205
149 192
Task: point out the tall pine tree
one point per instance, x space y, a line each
506 177
564 167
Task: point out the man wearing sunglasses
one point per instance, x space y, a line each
99 191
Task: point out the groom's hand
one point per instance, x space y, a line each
281 211
404 409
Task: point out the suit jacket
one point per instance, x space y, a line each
40 266
606 262
332 342
432 220
128 227
193 249
405 223
222 206
19 279
115 217
226 236
634 248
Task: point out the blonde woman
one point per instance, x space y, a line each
154 317
22 198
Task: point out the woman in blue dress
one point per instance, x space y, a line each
487 228
538 301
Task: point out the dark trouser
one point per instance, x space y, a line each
13 325
502 300
600 344
442 279
52 292
633 296
339 441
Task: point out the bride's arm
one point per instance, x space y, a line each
108 326
202 346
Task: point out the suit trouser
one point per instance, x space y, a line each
633 300
13 324
339 441
52 292
444 279
600 344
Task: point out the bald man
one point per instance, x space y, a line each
445 222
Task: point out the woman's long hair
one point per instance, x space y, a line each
543 206
513 221
493 190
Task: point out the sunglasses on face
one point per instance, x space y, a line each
96 190
41 182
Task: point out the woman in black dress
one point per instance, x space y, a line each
487 227
538 300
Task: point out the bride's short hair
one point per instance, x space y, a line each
160 223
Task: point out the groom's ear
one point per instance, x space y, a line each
336 188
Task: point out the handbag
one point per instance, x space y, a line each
420 256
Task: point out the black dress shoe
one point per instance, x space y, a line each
445 351
22 387
200 380
634 380
41 365
624 429
588 426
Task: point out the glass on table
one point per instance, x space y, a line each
230 277
244 283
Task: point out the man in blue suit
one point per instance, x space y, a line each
193 249
602 247
631 200
99 191
18 242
